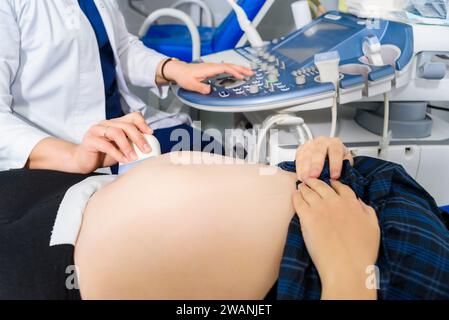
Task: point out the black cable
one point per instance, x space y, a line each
438 108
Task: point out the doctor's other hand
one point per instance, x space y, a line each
342 236
111 142
311 157
191 76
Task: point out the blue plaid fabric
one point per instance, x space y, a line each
414 254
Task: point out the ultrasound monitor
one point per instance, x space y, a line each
305 45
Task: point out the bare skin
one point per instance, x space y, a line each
170 229
310 158
181 231
342 235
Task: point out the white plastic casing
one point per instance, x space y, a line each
155 152
155 148
254 37
328 66
372 49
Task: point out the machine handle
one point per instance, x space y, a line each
207 11
304 132
177 14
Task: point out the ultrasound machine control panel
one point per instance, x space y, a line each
286 76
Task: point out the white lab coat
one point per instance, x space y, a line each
50 73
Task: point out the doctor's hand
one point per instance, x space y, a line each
311 157
191 76
104 145
342 236
111 142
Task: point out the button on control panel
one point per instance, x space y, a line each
333 17
224 94
273 74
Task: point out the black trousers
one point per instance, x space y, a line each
29 267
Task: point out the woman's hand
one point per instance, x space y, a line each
191 76
310 158
342 236
104 145
110 142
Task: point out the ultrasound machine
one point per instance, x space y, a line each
366 81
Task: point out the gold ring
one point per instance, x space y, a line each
105 134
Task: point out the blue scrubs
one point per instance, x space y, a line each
113 105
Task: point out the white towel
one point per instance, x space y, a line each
70 214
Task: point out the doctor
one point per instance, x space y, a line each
65 104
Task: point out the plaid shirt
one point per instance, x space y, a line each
414 254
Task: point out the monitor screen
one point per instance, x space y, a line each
318 38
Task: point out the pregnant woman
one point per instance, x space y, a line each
173 228
210 232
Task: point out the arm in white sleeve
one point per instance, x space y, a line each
17 138
138 62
